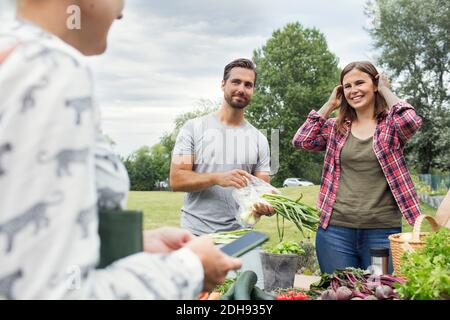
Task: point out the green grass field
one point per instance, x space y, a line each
162 208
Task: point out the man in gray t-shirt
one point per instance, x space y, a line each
215 153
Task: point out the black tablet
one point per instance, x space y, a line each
245 243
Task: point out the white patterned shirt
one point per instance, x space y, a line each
55 169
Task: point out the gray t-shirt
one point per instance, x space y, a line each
218 148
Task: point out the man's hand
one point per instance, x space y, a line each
166 239
215 263
234 178
261 209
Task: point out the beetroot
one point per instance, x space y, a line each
351 283
329 294
343 293
384 292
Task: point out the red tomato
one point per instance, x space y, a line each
300 296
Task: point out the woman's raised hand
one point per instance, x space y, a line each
383 82
334 101
384 88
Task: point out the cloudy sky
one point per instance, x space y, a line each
166 55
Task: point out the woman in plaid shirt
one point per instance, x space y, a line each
366 187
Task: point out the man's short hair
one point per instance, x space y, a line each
239 63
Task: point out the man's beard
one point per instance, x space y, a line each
236 104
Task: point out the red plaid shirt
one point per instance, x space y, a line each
392 132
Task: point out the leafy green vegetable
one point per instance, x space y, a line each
287 247
427 270
222 288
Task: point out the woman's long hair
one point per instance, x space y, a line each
346 112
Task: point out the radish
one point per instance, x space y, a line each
343 293
384 292
328 295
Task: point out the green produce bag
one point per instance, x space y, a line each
120 235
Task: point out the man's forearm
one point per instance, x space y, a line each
190 181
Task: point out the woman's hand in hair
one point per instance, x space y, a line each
384 88
334 102
383 82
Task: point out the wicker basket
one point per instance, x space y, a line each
416 241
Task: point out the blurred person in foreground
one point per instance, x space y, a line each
56 170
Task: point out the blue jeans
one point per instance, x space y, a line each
341 247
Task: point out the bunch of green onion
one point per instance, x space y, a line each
302 215
224 237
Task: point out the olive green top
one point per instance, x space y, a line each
364 199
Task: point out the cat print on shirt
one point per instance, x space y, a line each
85 269
119 296
7 283
19 24
113 159
48 55
72 275
36 215
79 105
84 218
28 100
181 283
109 199
4 148
146 282
65 158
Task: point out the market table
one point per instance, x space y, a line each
304 281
